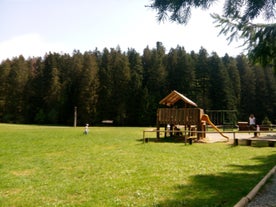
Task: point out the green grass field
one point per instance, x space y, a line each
60 166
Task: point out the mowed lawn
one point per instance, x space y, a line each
60 166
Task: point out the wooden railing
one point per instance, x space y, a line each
234 137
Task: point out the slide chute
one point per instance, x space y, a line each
205 117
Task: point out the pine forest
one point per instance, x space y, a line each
126 87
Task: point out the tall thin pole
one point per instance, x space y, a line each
75 116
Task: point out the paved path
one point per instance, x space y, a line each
216 137
266 197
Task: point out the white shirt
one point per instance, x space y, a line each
252 121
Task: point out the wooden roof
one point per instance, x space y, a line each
175 96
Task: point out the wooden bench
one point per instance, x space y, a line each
264 128
107 122
243 126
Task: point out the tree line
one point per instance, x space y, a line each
126 87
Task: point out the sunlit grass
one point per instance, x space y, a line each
60 166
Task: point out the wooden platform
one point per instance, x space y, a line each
186 137
270 139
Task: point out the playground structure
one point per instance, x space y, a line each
181 115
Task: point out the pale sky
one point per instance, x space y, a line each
35 27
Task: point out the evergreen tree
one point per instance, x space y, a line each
265 93
248 88
220 90
235 81
181 72
135 92
202 82
114 80
17 80
5 69
270 99
120 84
68 93
51 89
89 83
148 116
261 94
155 77
74 89
33 92
155 71
105 90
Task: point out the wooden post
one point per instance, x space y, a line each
157 125
75 116
236 141
271 143
199 129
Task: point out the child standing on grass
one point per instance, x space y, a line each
86 129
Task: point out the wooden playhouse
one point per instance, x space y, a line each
177 113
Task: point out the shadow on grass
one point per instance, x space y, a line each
174 139
224 189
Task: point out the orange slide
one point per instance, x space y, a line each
205 117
